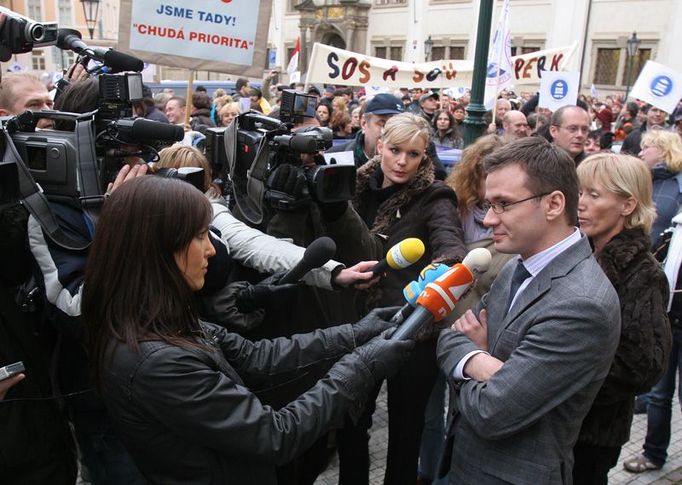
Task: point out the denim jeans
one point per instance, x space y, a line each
659 410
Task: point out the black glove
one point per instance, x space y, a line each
267 292
373 324
221 308
287 188
384 357
332 211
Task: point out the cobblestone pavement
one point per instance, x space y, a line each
671 473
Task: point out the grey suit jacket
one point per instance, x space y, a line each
557 344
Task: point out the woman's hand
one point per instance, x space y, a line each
474 328
359 276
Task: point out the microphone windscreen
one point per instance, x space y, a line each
412 291
319 252
64 37
144 129
119 61
405 253
303 144
478 260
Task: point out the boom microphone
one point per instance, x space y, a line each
316 254
406 252
71 39
439 297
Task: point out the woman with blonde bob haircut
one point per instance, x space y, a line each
615 211
228 112
662 152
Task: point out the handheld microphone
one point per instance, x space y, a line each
440 296
406 252
413 289
316 254
71 39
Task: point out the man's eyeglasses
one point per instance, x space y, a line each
500 207
573 129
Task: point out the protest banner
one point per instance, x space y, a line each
224 36
329 65
559 89
659 86
499 70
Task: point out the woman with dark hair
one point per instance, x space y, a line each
445 130
177 387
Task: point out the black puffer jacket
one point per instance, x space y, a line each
645 339
187 416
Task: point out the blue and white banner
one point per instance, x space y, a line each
659 86
558 89
228 36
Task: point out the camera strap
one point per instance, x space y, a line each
35 201
88 174
249 203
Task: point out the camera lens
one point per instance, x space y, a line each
35 32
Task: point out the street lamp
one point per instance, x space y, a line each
428 47
632 48
90 10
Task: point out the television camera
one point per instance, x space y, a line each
254 151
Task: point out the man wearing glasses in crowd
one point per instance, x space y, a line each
525 365
569 128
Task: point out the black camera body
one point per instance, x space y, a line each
257 146
20 34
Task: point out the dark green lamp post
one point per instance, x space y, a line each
474 126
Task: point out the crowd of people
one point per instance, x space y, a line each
173 350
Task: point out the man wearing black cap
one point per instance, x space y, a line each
428 104
372 120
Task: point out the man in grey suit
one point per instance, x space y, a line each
526 365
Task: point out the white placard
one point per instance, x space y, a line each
226 36
659 86
558 89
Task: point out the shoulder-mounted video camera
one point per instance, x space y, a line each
254 147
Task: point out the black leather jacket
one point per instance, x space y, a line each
188 416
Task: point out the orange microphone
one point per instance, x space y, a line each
439 297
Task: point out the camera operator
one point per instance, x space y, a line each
36 443
61 278
21 92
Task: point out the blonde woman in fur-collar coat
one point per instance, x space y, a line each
396 197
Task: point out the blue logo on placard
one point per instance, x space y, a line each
559 89
661 86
